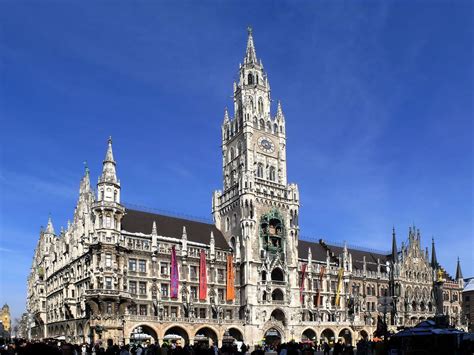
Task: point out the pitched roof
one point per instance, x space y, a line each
136 221
318 251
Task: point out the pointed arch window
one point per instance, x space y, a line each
262 124
275 128
250 79
260 105
260 170
232 153
272 173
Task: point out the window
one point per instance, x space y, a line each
260 170
174 312
260 105
142 265
132 309
220 294
132 287
164 269
108 283
108 260
142 288
202 313
227 224
164 290
132 264
108 221
143 309
194 293
109 307
193 272
272 174
220 275
228 314
250 79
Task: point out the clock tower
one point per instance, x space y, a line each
257 210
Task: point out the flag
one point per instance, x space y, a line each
303 271
318 293
230 294
339 286
174 274
202 276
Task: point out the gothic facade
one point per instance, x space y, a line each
108 275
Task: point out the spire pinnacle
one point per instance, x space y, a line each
434 261
49 227
226 115
184 235
153 229
279 111
394 246
458 270
250 55
108 168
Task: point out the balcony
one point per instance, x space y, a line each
170 319
105 292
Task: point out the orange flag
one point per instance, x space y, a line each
230 296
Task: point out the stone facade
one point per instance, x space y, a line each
108 273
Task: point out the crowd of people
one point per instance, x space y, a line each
55 347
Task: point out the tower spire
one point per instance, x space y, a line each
108 168
49 227
458 270
394 246
434 261
250 54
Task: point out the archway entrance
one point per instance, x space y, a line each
346 335
143 334
176 335
364 335
236 334
327 336
309 335
272 337
205 335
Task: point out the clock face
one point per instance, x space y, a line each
266 144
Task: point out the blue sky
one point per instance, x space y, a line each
377 98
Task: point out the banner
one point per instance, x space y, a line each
303 272
174 274
339 286
320 286
202 277
230 294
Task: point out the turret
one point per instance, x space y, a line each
212 245
184 242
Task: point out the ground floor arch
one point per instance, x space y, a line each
236 334
364 335
173 334
328 336
309 335
143 333
206 334
346 335
273 336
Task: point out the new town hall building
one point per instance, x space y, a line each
124 274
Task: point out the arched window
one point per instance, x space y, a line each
227 223
115 196
232 153
269 126
277 274
260 170
255 122
250 79
234 224
275 128
239 148
262 124
264 275
260 105
251 105
272 173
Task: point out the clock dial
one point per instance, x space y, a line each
266 144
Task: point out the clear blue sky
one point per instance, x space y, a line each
377 97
